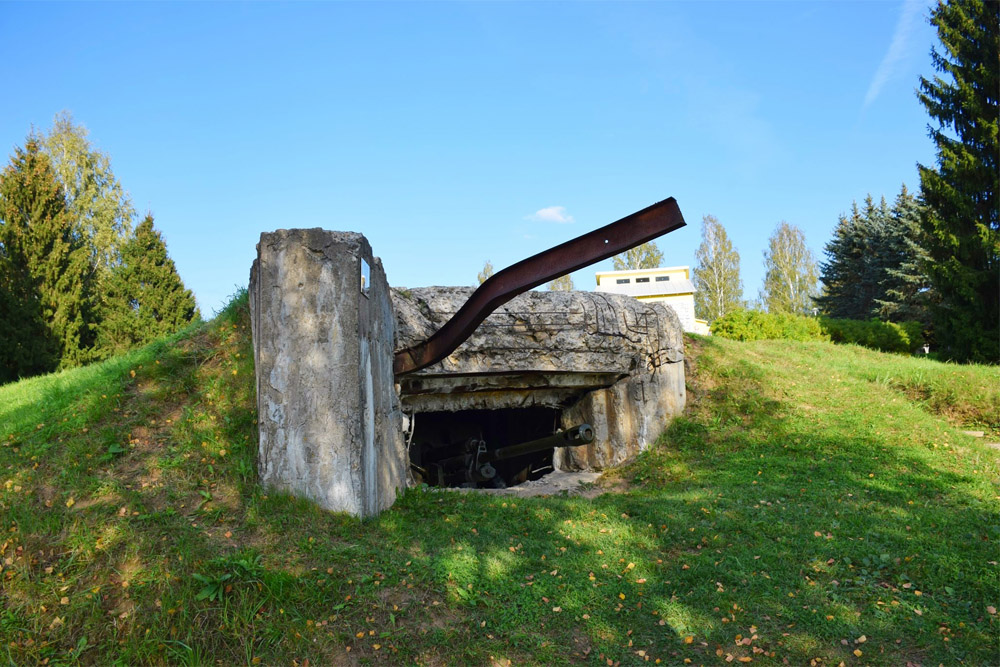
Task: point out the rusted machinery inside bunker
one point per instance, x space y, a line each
452 447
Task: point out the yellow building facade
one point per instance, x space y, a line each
671 285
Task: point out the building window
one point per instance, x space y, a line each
642 280
622 281
661 279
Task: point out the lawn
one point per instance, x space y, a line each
817 504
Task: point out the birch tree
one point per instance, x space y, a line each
718 287
790 278
487 271
645 256
96 202
562 284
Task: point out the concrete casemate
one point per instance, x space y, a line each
329 418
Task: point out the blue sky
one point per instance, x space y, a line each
452 133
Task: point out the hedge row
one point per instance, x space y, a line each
906 337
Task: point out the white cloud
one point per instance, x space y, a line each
551 214
908 22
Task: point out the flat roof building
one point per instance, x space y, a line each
671 285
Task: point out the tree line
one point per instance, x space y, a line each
872 268
932 258
80 281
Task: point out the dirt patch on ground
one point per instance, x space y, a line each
556 482
47 494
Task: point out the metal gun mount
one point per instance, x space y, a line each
475 464
610 240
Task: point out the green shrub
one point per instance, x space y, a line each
757 325
906 337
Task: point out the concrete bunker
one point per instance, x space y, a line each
541 365
341 426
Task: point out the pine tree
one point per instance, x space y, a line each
843 267
962 223
790 278
562 284
718 287
27 347
905 288
51 275
873 263
145 297
875 235
645 256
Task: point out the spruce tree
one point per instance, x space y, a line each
145 298
962 223
50 275
842 270
874 268
718 287
905 289
27 347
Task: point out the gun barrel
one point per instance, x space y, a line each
573 437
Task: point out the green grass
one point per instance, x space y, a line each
802 502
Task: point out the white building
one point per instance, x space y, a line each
672 285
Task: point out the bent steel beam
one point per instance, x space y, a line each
501 287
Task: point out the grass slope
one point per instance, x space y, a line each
813 506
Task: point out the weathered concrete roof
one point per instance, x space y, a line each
541 348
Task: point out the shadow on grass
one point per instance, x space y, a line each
756 531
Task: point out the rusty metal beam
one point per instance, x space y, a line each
501 287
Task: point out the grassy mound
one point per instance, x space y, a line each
816 502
